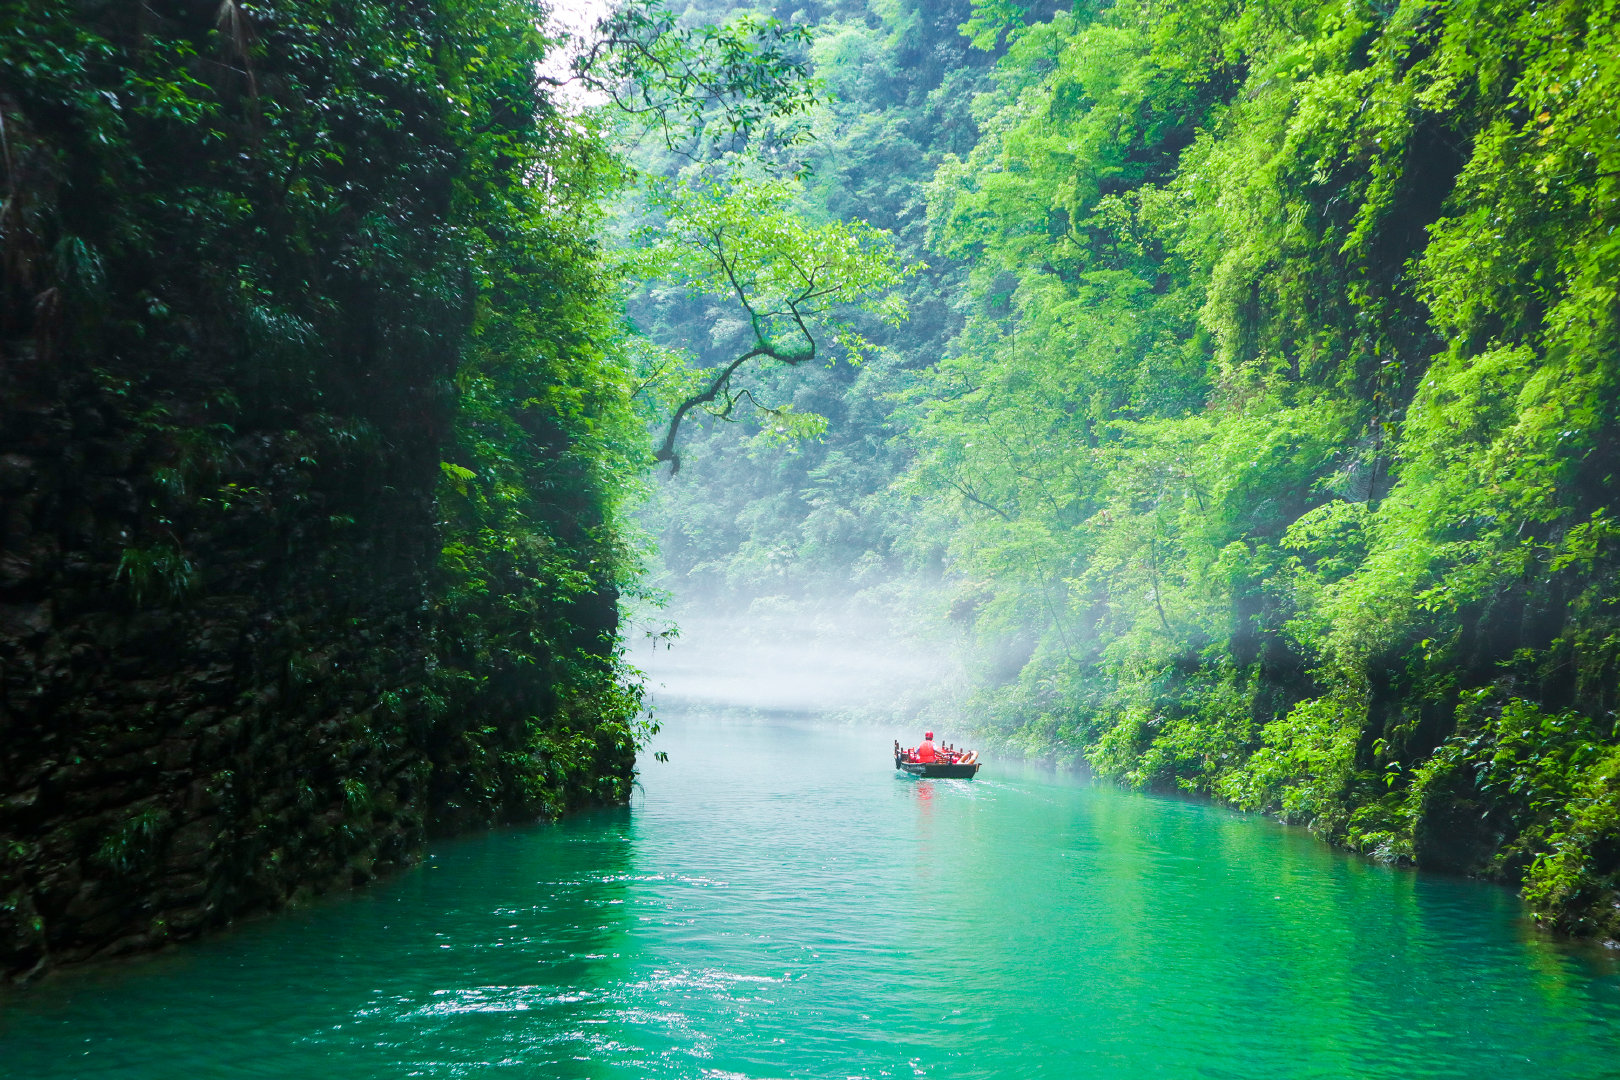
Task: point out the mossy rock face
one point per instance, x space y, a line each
141 792
1459 832
235 665
244 764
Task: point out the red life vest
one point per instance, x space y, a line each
925 752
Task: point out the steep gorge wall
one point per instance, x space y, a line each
184 742
1311 501
306 520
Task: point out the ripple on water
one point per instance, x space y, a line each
845 922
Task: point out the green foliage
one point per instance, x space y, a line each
1269 443
810 519
1573 880
738 239
351 250
707 87
356 796
992 20
1267 373
544 455
133 843
1534 770
156 575
789 279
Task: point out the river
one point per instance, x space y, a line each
777 902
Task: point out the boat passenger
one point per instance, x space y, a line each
925 752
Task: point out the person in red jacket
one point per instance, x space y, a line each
925 752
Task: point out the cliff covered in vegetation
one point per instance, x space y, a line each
313 439
1316 317
1269 447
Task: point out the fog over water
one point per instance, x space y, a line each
845 662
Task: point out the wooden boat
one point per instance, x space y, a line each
937 770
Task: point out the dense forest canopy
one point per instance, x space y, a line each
1255 428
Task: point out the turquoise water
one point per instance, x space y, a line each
778 903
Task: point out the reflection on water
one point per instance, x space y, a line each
780 903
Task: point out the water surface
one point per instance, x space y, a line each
779 903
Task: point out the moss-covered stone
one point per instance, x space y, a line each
236 666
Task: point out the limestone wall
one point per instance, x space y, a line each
187 740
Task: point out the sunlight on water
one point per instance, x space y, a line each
778 903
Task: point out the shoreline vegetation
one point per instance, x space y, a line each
315 444
1255 429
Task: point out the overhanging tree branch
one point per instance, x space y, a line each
739 240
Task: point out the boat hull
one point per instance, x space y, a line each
937 770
